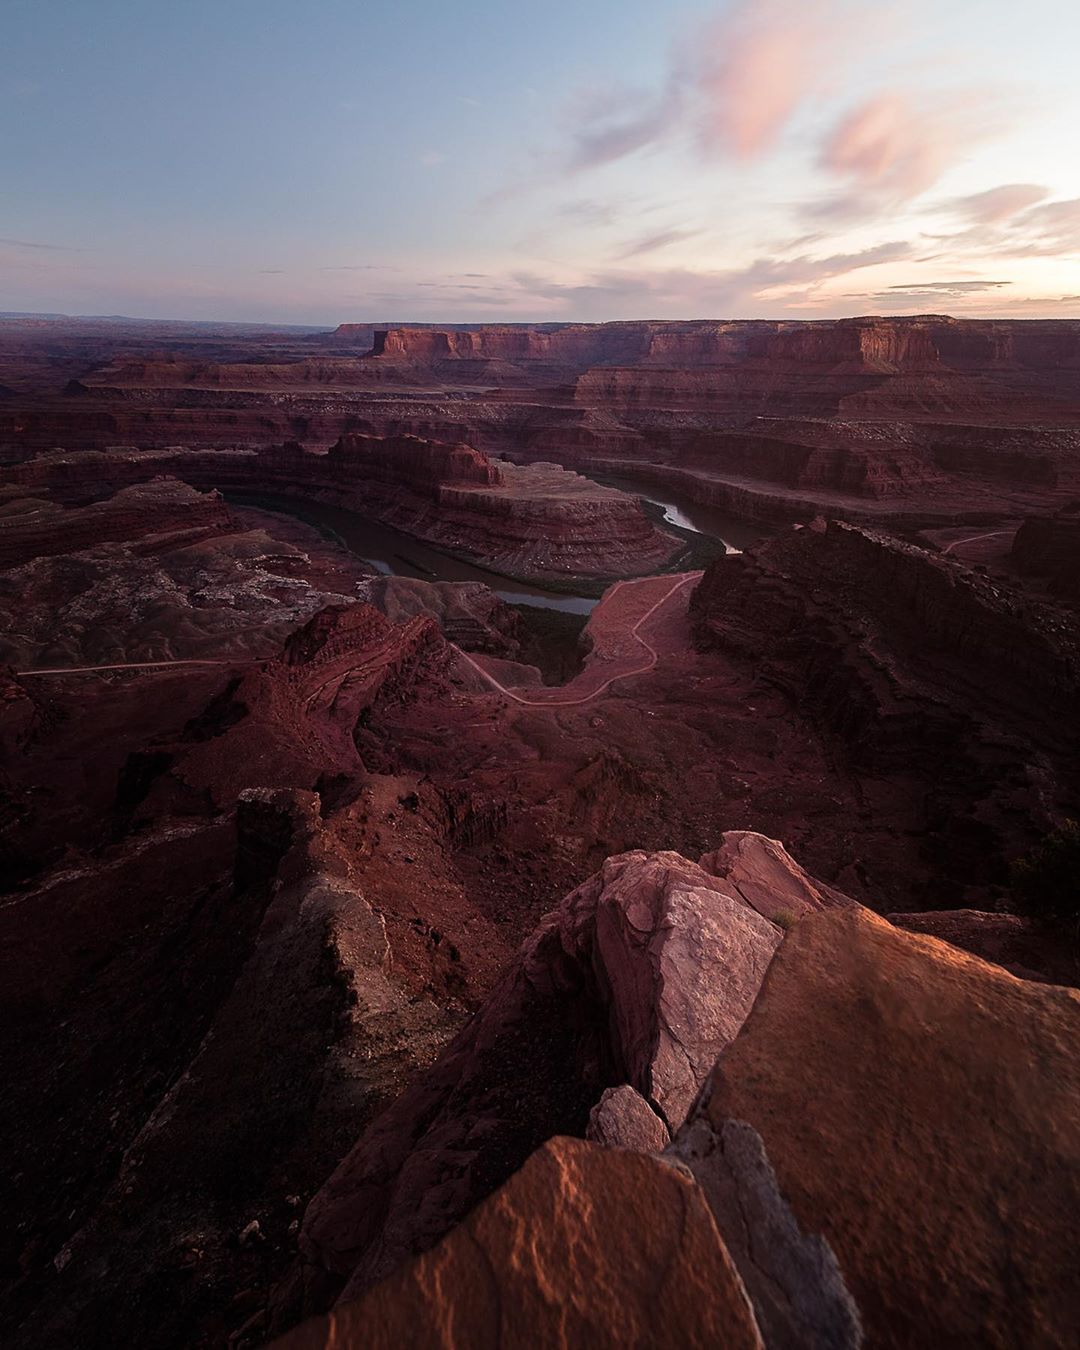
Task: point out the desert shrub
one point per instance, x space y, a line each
1046 883
784 918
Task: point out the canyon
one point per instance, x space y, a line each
448 883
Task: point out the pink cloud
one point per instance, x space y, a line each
895 146
735 84
754 68
765 285
998 204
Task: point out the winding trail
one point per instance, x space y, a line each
974 538
652 656
650 662
136 665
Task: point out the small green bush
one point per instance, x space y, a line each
784 918
1045 885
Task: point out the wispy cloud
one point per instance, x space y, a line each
50 248
906 294
950 287
654 242
752 68
997 204
1052 229
1003 223
763 284
897 145
618 123
732 85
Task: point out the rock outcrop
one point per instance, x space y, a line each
920 669
641 977
864 360
582 1247
290 986
158 571
1018 944
468 612
534 521
922 421
34 528
888 1150
791 1276
921 1110
622 1118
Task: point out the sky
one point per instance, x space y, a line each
349 161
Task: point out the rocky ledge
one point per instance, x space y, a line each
538 521
749 1168
919 670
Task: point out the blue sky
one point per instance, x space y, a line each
494 161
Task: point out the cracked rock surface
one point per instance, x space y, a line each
584 1246
641 976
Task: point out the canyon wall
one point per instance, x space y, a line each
927 365
918 669
912 422
1049 547
33 528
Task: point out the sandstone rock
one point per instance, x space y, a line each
921 1110
314 1034
792 1278
768 878
469 613
156 571
678 960
582 1247
641 976
1008 940
622 1118
31 528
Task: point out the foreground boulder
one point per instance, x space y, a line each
642 976
921 1110
622 1118
584 1246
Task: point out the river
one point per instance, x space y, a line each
395 553
684 514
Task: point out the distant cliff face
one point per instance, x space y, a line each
930 365
409 461
879 345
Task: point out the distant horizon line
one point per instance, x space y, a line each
60 316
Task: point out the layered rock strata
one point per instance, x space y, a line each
36 528
539 521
